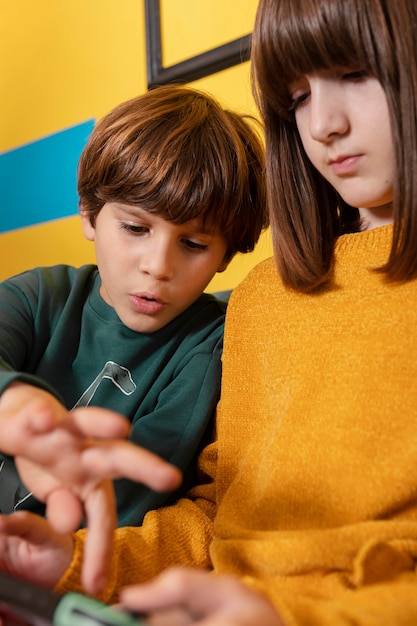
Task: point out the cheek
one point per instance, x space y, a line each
308 144
199 275
388 156
313 152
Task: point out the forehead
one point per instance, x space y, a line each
309 36
293 38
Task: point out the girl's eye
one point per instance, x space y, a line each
356 76
193 246
297 100
134 230
298 93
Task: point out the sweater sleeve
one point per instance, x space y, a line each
16 333
24 329
180 534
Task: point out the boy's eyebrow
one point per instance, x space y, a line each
128 208
203 229
200 230
197 228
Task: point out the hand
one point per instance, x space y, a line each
32 550
67 460
183 597
55 448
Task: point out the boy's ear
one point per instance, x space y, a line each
223 265
88 228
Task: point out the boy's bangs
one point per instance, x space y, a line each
180 203
177 189
298 37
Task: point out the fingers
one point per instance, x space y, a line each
64 510
117 459
174 587
25 525
164 601
32 549
171 617
99 423
32 528
124 459
29 421
202 598
35 418
100 511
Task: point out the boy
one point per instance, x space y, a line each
171 188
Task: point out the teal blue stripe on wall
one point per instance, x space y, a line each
38 180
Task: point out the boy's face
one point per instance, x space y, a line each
151 269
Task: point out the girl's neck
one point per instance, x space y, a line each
373 217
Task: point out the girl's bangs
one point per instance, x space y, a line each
295 37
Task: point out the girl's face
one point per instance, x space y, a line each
343 121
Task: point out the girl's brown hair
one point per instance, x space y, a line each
295 37
176 152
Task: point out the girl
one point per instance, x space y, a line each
319 509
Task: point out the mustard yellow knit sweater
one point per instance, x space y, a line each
315 466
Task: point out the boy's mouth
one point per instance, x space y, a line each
150 297
147 304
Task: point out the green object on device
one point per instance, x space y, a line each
74 609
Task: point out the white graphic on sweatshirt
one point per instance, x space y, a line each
119 375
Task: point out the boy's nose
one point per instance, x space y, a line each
159 262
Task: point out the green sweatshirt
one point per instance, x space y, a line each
56 332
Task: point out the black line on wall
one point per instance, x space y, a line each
210 62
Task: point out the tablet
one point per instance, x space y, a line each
33 605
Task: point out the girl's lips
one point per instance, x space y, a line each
345 165
146 304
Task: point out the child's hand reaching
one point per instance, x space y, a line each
32 550
183 597
67 460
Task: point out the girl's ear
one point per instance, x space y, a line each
88 228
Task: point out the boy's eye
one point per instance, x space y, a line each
131 228
193 246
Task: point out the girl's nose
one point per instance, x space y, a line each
328 115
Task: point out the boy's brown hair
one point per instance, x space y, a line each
176 152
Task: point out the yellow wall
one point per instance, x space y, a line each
65 62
